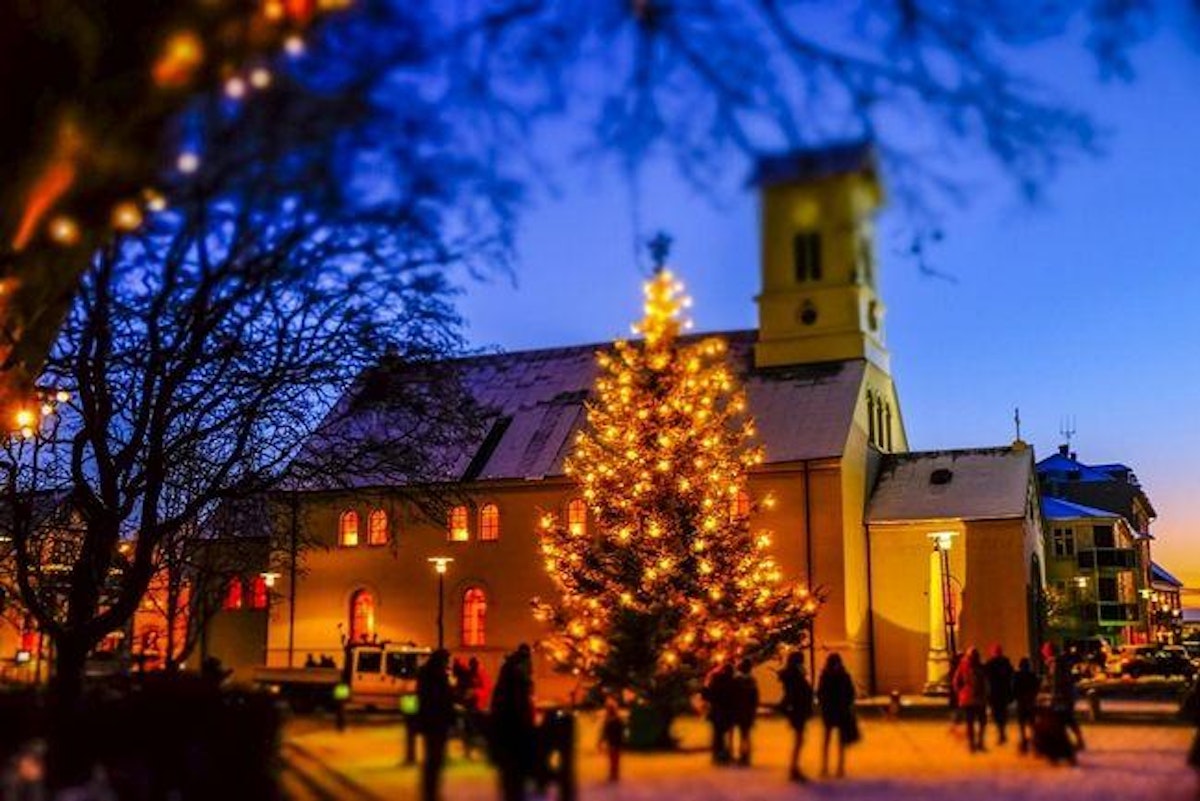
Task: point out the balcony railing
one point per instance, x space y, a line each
1113 613
1121 558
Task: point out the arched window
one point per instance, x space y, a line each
739 504
489 522
377 528
458 524
362 616
348 529
871 417
474 618
577 517
879 423
887 424
258 592
233 594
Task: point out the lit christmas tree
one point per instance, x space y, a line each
666 579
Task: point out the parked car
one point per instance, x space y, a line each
376 675
1090 655
1151 660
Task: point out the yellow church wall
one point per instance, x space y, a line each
511 571
997 569
987 562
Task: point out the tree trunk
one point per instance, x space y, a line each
67 761
650 728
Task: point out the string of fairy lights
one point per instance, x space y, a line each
662 467
182 56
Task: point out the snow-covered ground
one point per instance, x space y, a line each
909 759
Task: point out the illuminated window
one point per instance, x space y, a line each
739 504
348 529
233 594
362 616
377 528
577 517
489 522
474 618
458 524
258 593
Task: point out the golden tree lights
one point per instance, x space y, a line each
669 580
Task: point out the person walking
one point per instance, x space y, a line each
999 672
1059 719
970 688
612 738
796 707
718 693
835 694
1025 692
512 743
435 716
745 708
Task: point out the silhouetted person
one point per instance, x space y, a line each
612 738
310 661
718 692
970 686
1191 713
513 736
472 692
999 671
435 716
745 708
1025 692
1060 683
796 707
835 694
214 672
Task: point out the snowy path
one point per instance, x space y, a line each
896 761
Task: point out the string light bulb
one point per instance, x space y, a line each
64 231
126 216
235 88
260 78
188 162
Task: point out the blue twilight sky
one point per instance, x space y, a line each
1084 305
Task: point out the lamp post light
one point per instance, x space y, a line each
942 645
439 565
1147 609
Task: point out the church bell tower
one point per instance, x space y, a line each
819 301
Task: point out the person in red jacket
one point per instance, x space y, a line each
971 692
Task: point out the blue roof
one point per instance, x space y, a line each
1058 509
1158 573
1113 467
1057 466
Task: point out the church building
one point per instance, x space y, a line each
916 553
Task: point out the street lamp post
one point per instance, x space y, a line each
942 645
439 565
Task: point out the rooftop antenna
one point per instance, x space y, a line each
1017 420
1066 427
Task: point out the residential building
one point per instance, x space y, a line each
1094 574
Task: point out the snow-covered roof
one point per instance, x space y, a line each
974 484
1159 573
1064 467
532 402
1059 509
